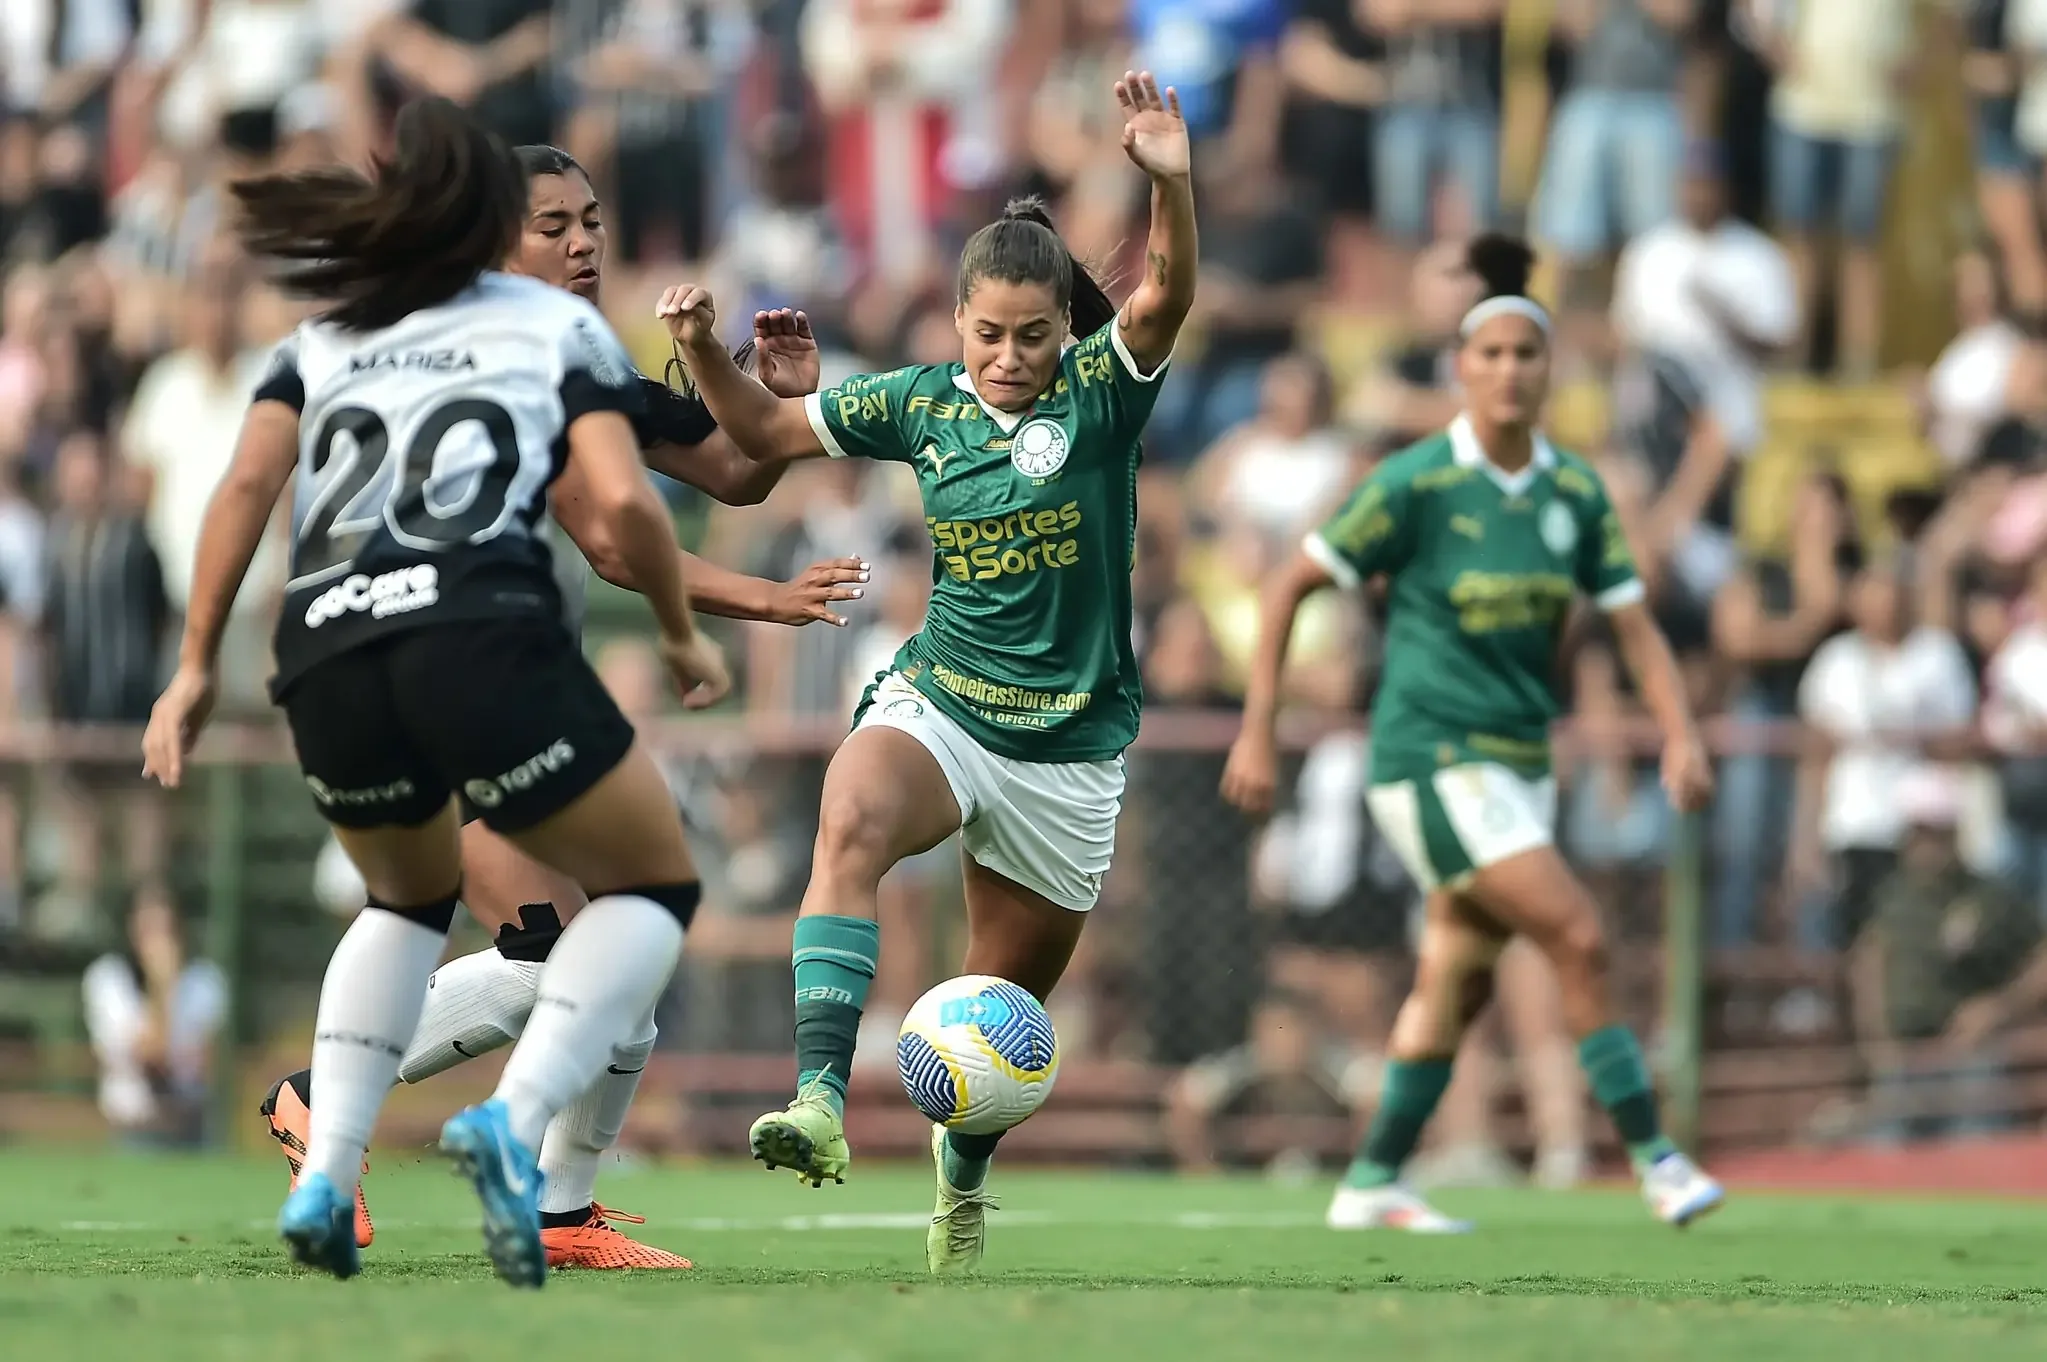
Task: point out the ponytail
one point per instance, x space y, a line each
1022 247
412 234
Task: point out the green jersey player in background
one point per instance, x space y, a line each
1006 718
1485 535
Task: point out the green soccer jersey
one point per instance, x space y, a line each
1033 524
1483 567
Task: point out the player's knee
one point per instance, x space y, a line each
1580 948
853 837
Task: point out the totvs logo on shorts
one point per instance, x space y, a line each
327 797
389 593
488 794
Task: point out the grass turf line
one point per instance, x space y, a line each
131 1260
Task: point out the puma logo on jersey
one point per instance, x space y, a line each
937 460
423 361
1468 526
389 593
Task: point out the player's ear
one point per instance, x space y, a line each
959 319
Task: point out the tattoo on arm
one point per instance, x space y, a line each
1156 261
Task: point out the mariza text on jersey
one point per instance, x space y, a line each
388 593
428 361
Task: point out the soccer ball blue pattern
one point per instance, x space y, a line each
977 1054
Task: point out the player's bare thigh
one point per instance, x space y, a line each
622 833
1016 933
498 879
885 798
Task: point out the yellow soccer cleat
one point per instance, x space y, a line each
808 1136
959 1227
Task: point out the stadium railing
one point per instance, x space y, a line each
1169 972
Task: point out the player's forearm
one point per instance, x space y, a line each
1654 668
234 524
766 428
717 467
644 546
1152 318
1278 604
714 590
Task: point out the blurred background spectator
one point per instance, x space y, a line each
1797 247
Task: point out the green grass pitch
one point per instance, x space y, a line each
117 1259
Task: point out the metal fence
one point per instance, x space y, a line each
1228 999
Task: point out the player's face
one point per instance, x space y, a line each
1010 335
1504 367
563 243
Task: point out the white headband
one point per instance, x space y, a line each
1505 305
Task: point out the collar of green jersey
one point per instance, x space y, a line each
1469 453
1005 421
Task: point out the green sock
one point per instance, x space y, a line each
966 1159
1413 1087
834 962
1612 1060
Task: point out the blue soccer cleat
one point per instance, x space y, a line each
318 1222
507 1180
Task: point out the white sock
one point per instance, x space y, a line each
600 982
474 1004
582 1133
369 1007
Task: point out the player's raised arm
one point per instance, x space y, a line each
236 517
693 450
1155 138
767 428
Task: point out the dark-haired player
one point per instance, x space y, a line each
1485 534
480 1002
423 419
1006 717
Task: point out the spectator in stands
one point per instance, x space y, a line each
1222 58
232 77
653 82
1075 139
1969 389
104 630
1617 136
1261 273
2015 724
1414 392
780 247
1251 1103
1700 301
1280 471
1839 106
2007 171
905 89
58 57
1881 693
1440 125
179 435
1333 61
491 56
1767 621
1950 960
153 1014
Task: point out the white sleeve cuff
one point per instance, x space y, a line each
1129 360
1621 595
1330 561
813 407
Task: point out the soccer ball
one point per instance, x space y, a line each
977 1054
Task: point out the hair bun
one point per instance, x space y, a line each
1502 263
1029 208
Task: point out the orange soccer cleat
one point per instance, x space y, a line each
289 1117
596 1244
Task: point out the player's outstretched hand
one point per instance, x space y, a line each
1154 134
697 665
1251 775
786 352
1687 774
690 315
810 597
175 723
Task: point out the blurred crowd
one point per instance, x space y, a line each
1834 534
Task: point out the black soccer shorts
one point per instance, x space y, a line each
506 713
